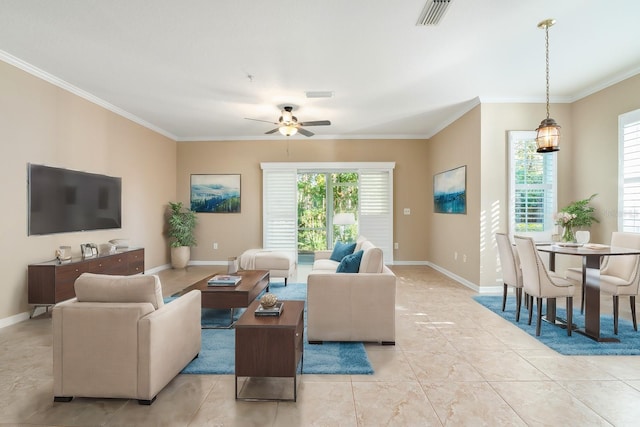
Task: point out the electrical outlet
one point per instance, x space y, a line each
455 256
215 245
407 211
395 245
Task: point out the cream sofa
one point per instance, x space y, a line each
351 306
117 338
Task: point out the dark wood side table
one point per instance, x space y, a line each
270 346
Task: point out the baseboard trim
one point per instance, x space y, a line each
465 282
12 320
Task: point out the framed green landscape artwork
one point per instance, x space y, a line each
219 193
450 191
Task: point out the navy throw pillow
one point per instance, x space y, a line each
341 250
350 263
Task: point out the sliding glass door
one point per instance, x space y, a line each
321 196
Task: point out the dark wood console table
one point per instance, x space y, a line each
51 282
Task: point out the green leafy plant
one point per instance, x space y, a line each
577 214
182 223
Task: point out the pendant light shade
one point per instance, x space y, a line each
548 133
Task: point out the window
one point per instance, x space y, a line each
532 187
629 171
375 210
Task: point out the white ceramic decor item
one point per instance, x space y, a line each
582 237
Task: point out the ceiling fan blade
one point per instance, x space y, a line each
258 120
305 132
316 123
272 131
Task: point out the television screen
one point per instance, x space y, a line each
63 200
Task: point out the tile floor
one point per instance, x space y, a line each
455 363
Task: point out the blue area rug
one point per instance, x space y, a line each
217 355
556 337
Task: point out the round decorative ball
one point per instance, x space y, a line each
268 300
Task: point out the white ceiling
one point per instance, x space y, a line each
182 67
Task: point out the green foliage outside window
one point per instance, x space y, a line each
312 207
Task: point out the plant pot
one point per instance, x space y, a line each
180 256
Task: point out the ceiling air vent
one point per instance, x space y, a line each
433 12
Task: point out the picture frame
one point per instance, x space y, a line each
215 193
450 191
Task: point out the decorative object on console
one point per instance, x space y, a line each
450 191
548 133
88 250
63 254
120 243
215 193
106 248
181 222
268 300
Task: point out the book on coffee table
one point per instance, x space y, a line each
276 310
224 280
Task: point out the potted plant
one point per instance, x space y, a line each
577 215
181 223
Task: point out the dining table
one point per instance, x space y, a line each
592 255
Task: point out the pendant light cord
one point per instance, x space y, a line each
546 38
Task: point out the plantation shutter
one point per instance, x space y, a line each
629 172
280 222
376 209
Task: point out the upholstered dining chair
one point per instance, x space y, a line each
511 273
541 283
619 275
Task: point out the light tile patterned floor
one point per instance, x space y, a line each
454 363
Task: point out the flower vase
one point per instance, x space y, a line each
568 234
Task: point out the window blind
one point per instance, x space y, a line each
629 171
280 199
376 210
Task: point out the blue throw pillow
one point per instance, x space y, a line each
350 263
341 250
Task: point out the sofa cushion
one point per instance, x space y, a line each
359 241
340 250
91 287
372 260
350 263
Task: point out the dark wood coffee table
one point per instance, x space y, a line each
231 297
270 346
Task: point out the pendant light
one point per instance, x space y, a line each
548 133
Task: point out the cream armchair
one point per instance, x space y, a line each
117 338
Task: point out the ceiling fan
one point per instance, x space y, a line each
289 125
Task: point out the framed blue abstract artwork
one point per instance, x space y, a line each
450 191
215 193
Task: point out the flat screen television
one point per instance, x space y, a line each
64 200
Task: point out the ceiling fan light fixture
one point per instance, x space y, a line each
288 130
287 117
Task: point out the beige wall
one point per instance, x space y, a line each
595 150
457 145
235 233
41 123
